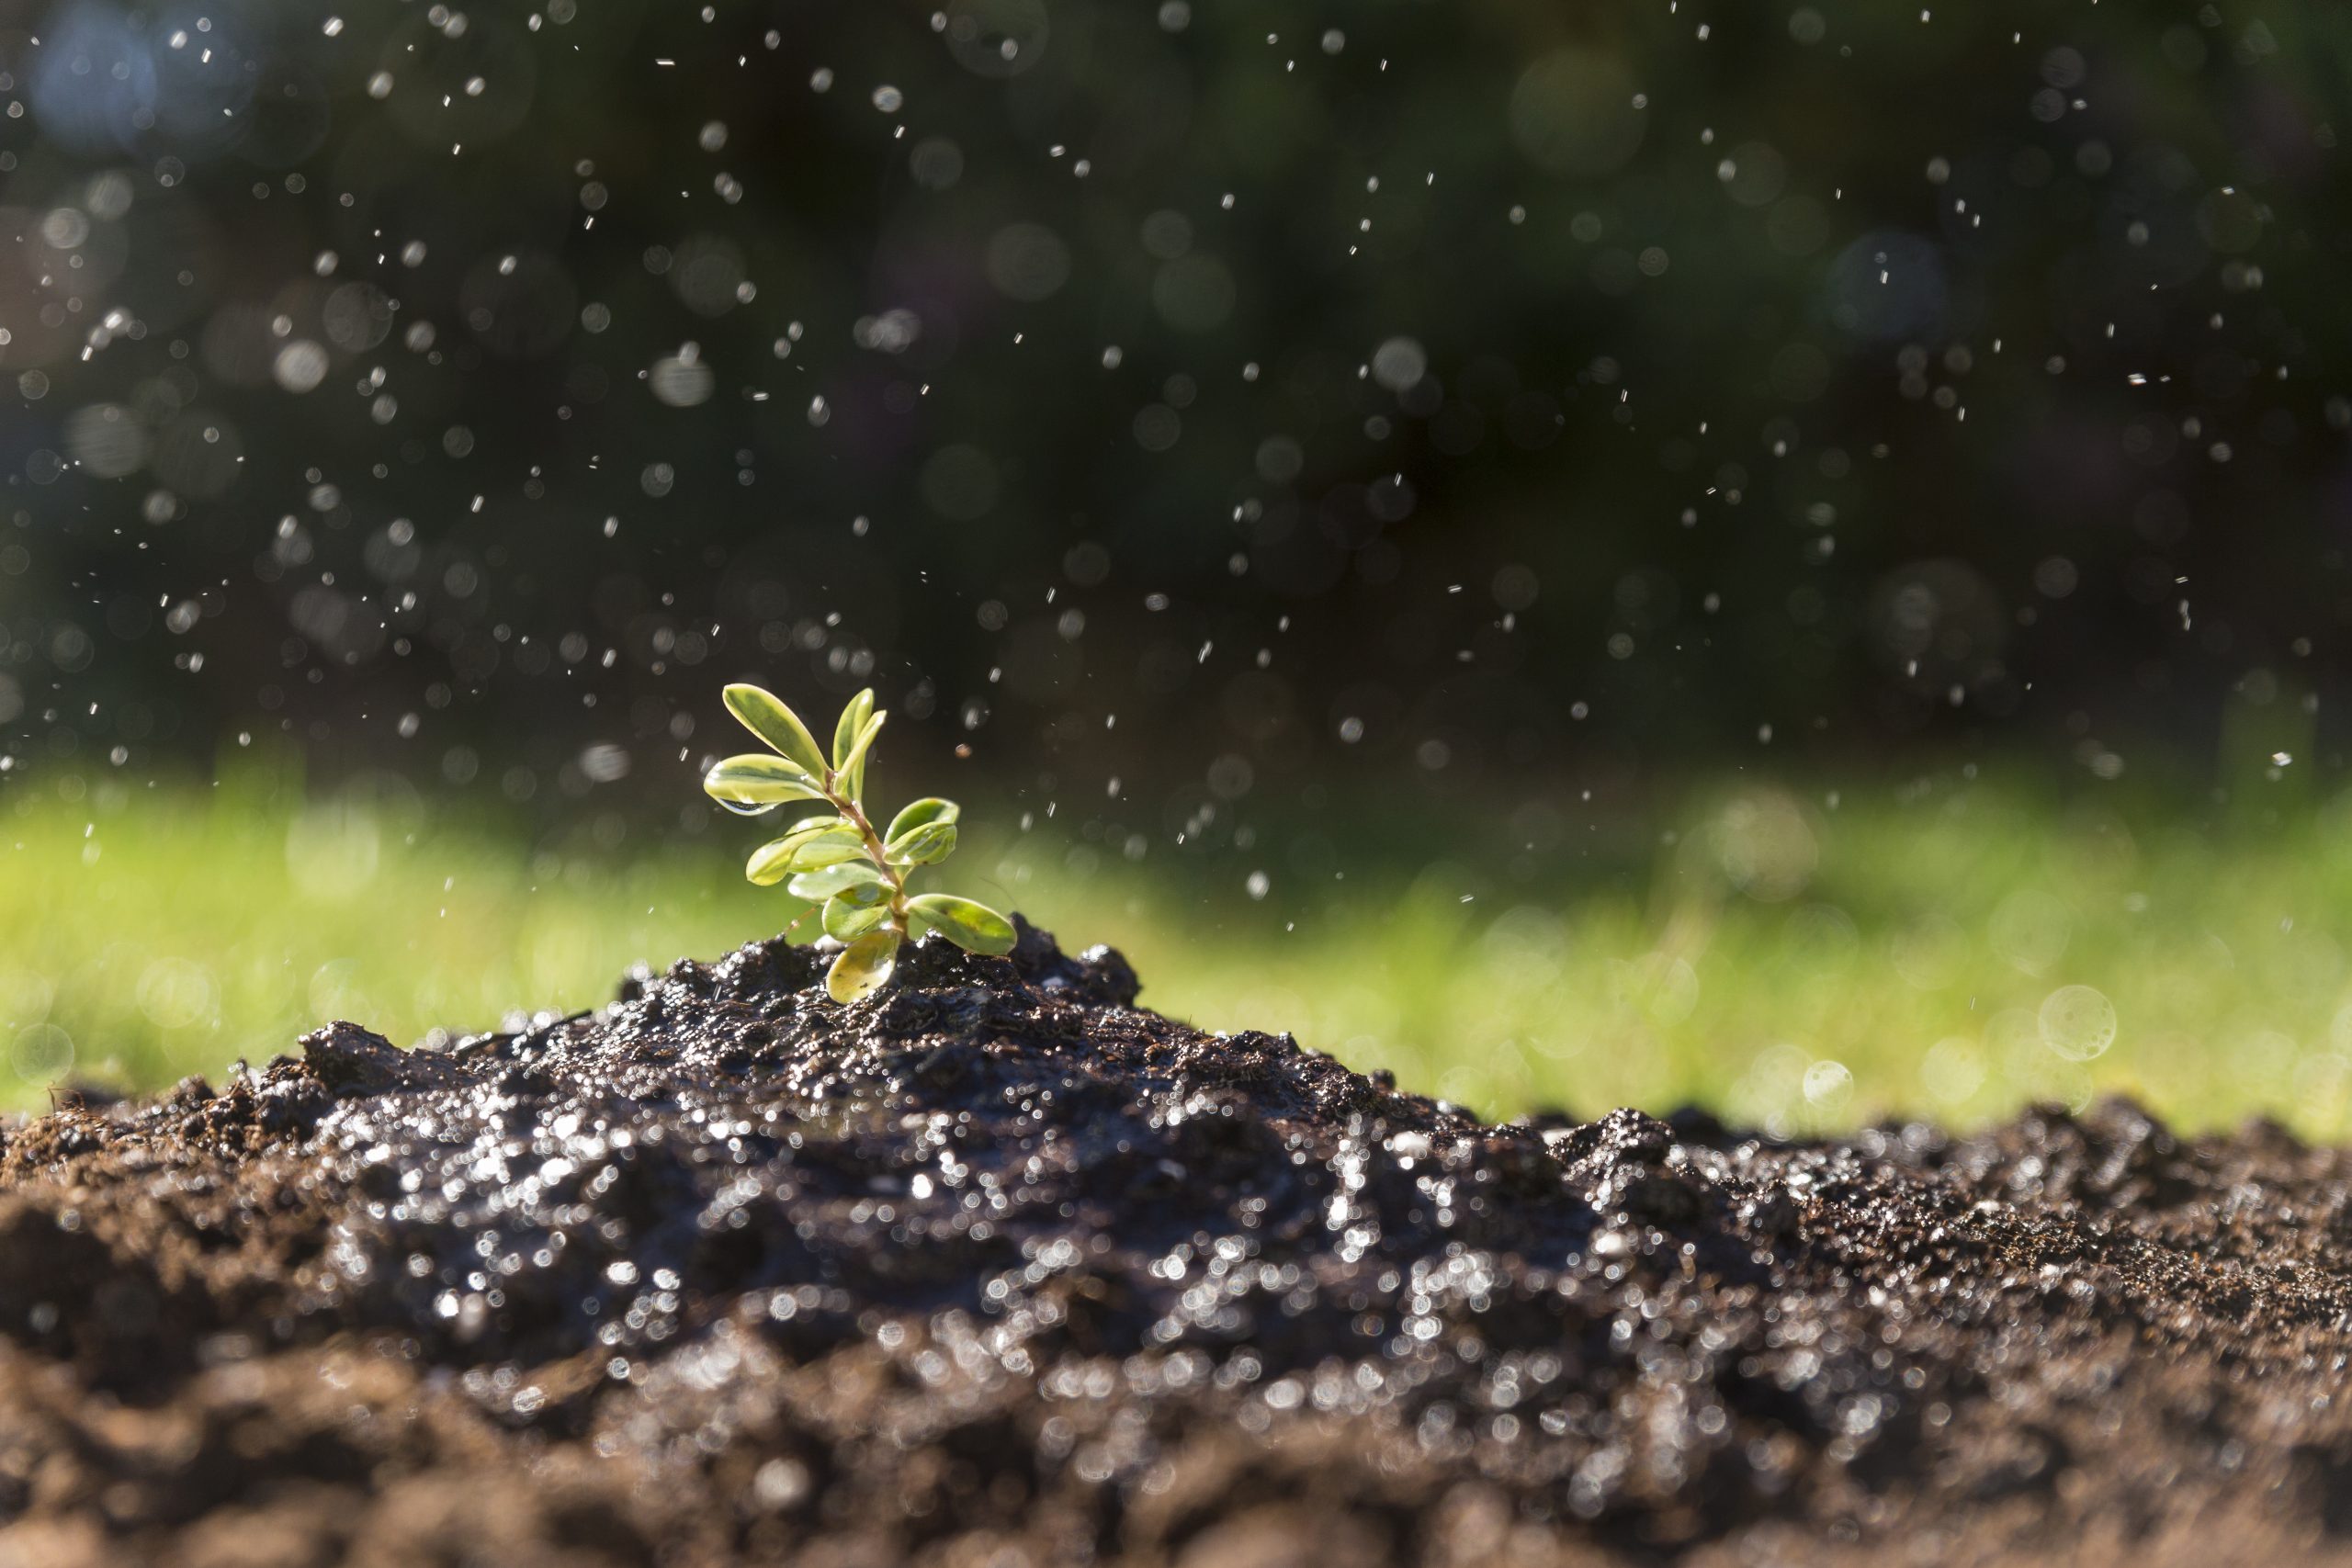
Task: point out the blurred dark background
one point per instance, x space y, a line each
1235 398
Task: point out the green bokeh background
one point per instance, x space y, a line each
1795 958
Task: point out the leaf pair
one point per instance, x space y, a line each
800 771
864 965
922 834
857 877
814 844
853 735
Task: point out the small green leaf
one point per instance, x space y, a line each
851 773
754 782
779 858
764 714
853 716
847 916
863 966
973 927
849 757
927 845
819 886
929 809
833 847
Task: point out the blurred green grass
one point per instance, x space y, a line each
1797 958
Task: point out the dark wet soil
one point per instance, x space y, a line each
998 1269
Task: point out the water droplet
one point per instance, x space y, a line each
42 1054
2078 1022
1828 1084
66 228
1399 364
683 380
301 365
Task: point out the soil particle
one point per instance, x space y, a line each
997 1267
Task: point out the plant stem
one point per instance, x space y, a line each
857 818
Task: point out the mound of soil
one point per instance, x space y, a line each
996 1268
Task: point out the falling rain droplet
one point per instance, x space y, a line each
1827 1085
2078 1022
1399 364
683 380
301 365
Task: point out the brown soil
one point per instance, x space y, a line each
997 1270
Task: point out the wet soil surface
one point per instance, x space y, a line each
996 1268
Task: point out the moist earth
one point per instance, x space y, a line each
997 1269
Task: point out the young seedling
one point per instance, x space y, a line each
837 859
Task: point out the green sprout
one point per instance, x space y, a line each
836 859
